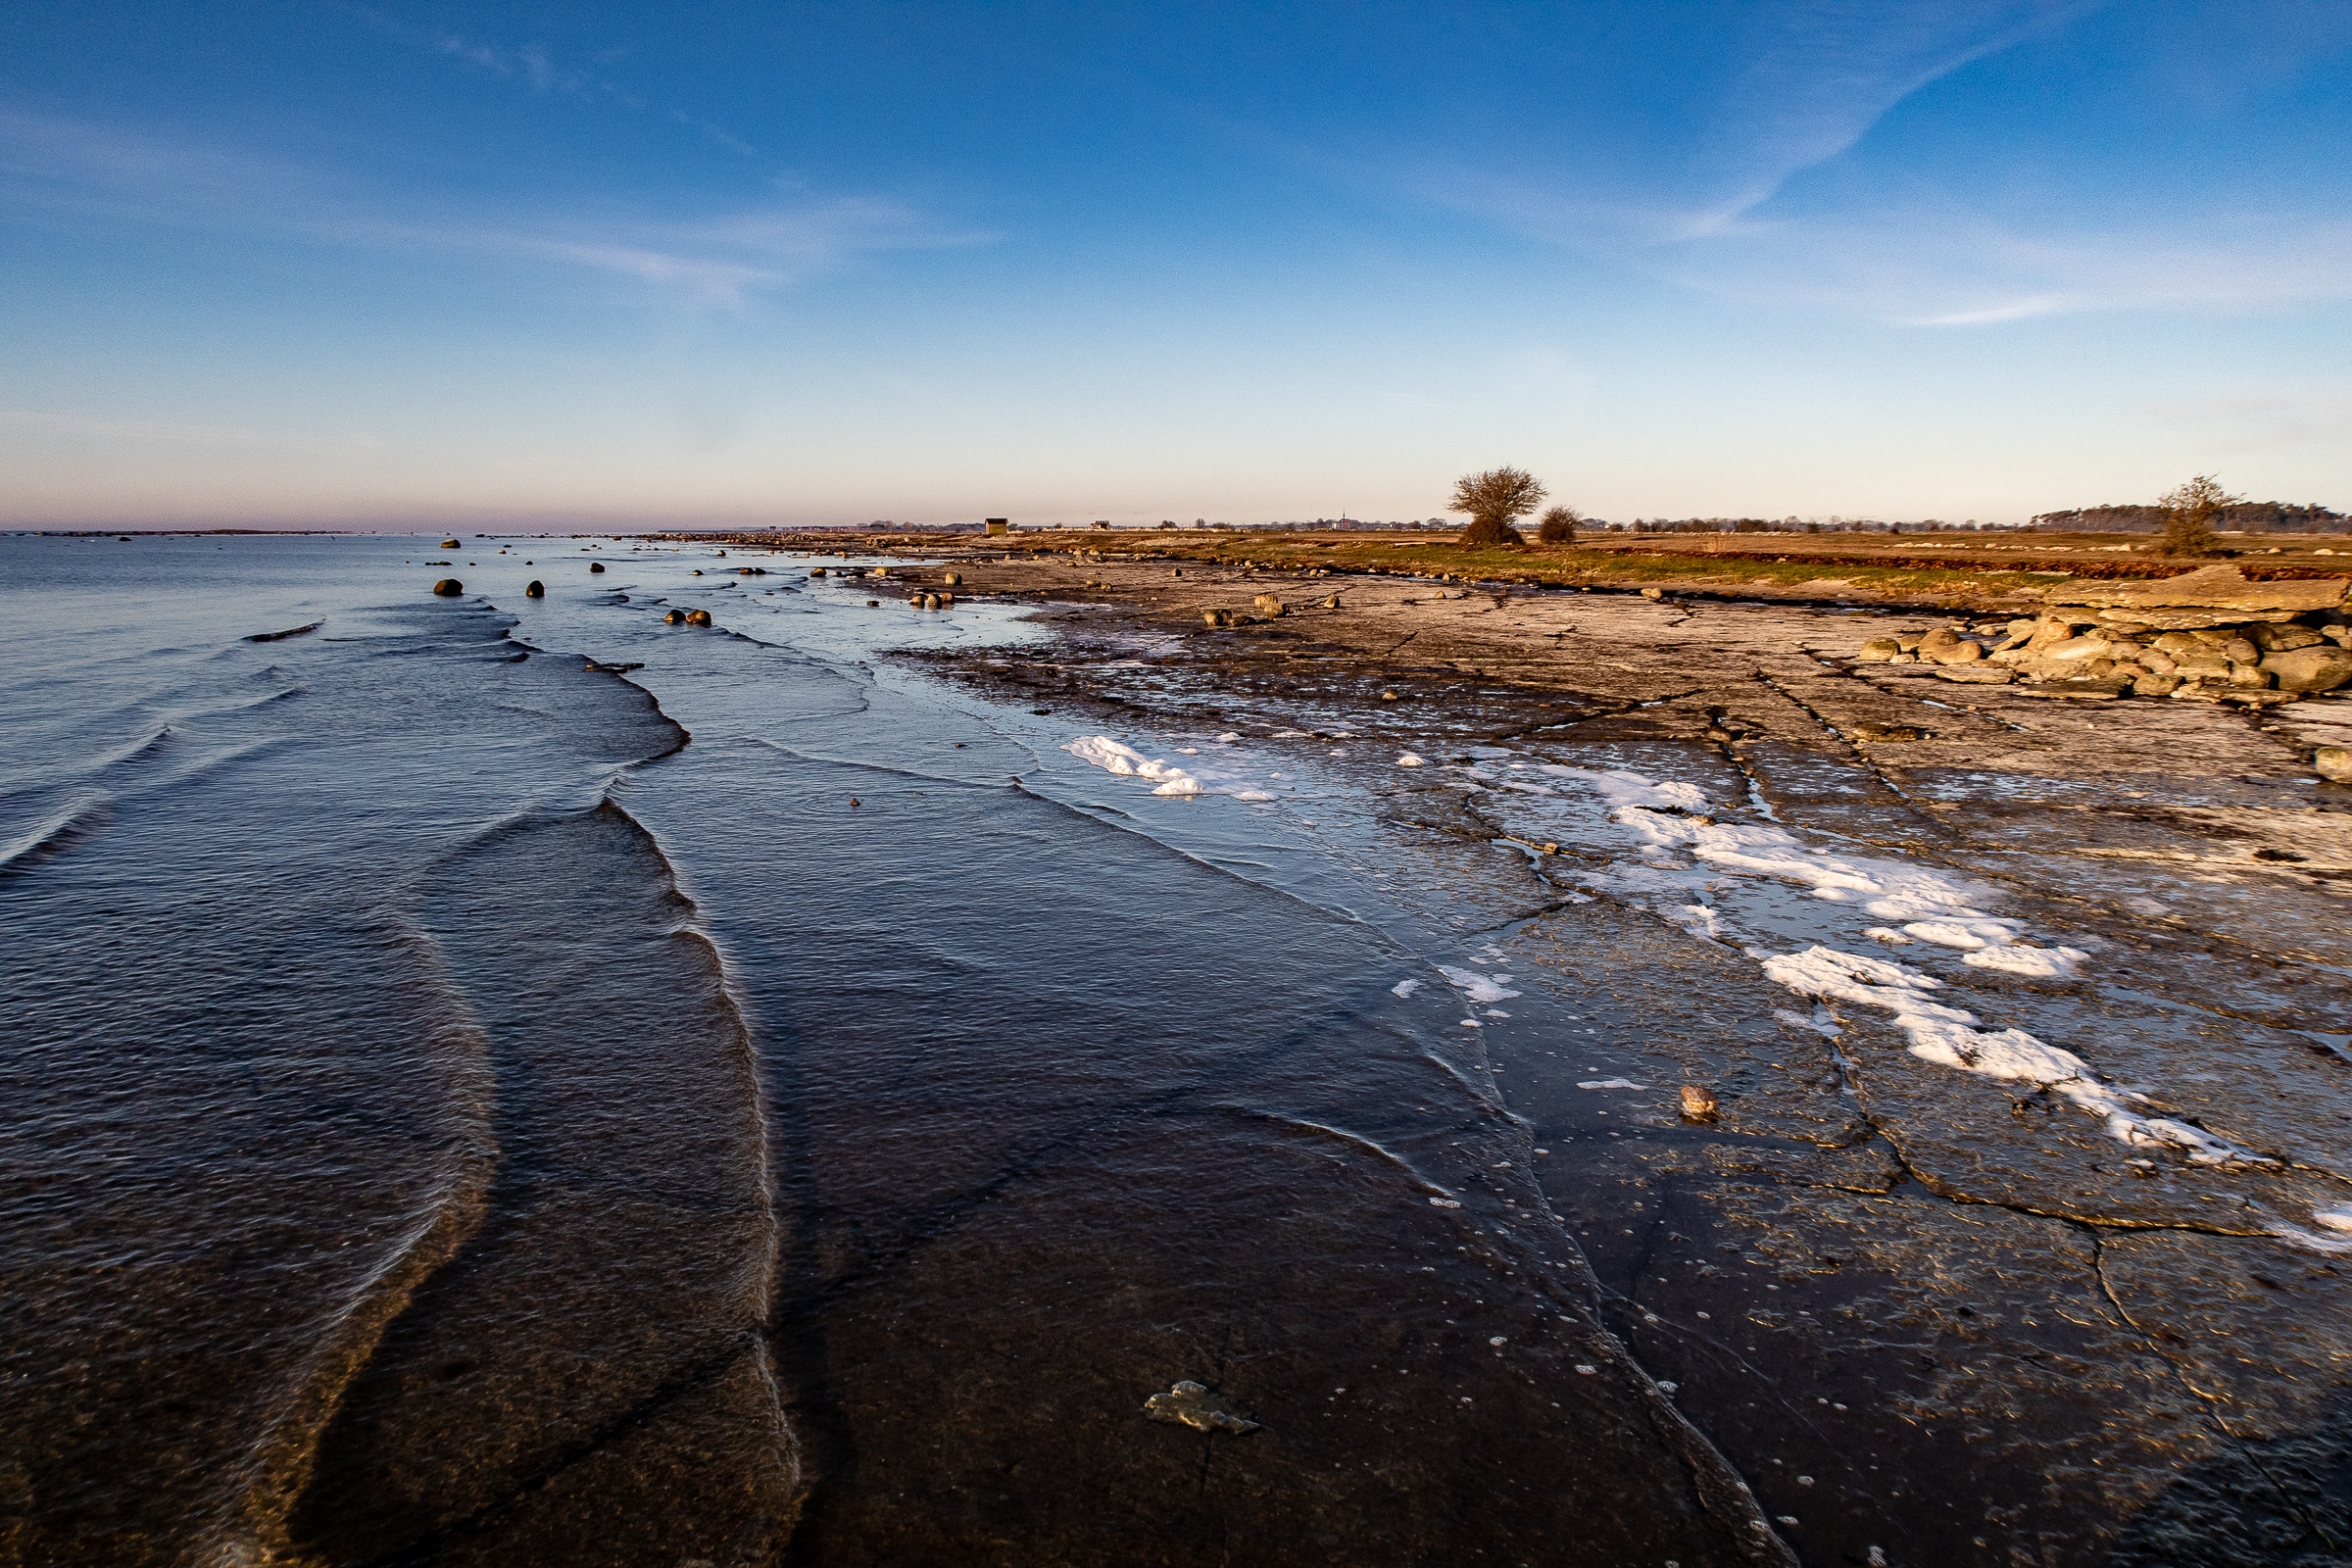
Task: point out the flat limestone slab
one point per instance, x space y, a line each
2168 619
2208 587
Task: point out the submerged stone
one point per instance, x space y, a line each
1190 1404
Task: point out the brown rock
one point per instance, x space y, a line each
677 618
1699 1104
2333 763
534 589
698 618
2283 639
598 566
2322 667
1270 605
449 588
1879 649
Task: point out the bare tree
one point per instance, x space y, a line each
2188 514
1557 527
1493 499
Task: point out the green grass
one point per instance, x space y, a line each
1538 564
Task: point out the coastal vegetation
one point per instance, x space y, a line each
2188 513
1494 500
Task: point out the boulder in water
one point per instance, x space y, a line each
535 589
595 566
677 618
450 544
698 618
449 588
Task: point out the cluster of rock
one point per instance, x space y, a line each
2210 635
1269 607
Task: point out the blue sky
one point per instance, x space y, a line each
612 265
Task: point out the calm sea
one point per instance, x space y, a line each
470 1102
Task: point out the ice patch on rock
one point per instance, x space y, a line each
2041 962
1622 788
1949 1036
1115 757
1610 1082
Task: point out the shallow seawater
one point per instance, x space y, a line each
513 1081
510 1080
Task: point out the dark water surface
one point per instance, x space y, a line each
466 1105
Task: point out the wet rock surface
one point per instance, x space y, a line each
1929 1314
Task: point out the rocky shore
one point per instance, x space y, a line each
1932 1312
2209 636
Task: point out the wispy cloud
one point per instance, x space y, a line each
1943 266
113 176
533 65
1813 78
1820 74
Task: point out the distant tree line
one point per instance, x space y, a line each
2253 516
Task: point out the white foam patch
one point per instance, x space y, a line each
1115 757
2336 1219
1949 1036
1968 932
1697 919
1477 987
2047 963
1405 988
1621 788
1610 1082
1409 759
